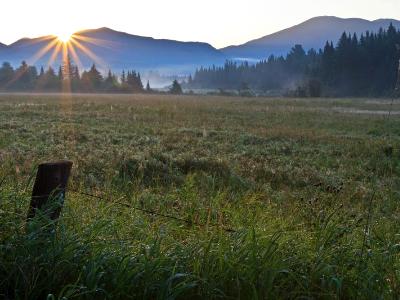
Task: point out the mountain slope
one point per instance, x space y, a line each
311 34
117 50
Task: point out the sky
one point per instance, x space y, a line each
218 22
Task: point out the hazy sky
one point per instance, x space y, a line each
218 22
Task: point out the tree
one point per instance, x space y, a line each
67 68
6 75
92 80
328 63
134 82
148 88
190 80
68 78
365 65
123 77
176 88
51 80
111 82
296 59
60 74
25 77
40 79
314 88
41 74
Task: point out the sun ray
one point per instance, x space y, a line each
75 56
66 81
89 53
96 42
64 37
42 52
55 53
64 47
41 39
32 61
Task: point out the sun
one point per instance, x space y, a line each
64 37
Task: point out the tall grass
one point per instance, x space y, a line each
313 201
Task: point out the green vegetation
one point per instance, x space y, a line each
26 78
311 187
357 66
176 88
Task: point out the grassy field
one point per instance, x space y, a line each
311 188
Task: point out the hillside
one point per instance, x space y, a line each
116 50
312 33
119 50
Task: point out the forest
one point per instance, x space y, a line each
68 78
356 66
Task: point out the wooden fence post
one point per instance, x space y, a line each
48 193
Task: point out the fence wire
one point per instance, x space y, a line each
155 213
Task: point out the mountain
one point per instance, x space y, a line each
111 49
115 50
311 34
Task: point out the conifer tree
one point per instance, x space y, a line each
60 74
176 88
123 77
6 75
41 74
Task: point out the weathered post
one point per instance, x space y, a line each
49 189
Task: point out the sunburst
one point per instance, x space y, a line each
64 37
65 45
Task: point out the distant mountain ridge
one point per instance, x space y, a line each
116 50
312 33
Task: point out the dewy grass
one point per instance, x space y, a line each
294 178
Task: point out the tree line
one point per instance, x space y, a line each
356 66
68 78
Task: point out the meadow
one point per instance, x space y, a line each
284 198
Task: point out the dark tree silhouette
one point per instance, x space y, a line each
92 80
357 66
68 79
6 75
176 88
134 82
